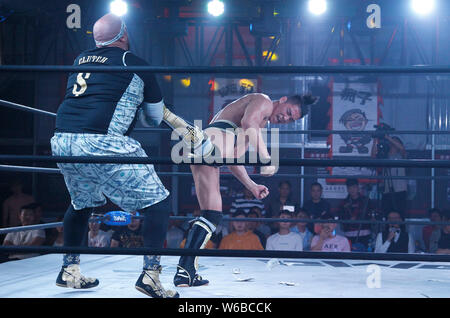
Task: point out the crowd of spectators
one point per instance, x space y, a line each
321 236
22 210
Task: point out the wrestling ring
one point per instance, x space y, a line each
232 273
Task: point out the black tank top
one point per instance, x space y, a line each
105 103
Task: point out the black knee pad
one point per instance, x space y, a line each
213 217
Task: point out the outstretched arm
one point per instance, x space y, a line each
259 191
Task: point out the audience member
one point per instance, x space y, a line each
129 236
427 231
25 238
277 204
13 204
395 238
59 240
253 226
316 205
175 233
210 245
395 190
301 228
262 227
327 240
441 244
240 238
97 237
245 202
38 212
222 230
285 240
51 233
356 207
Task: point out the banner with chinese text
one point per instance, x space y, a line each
355 108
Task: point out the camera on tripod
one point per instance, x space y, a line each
383 145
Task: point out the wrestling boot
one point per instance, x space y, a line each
193 137
198 236
71 277
149 284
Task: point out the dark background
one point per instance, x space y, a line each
181 33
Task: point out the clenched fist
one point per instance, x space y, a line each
260 191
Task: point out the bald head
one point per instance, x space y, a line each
107 27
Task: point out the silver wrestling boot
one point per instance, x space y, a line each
71 277
149 284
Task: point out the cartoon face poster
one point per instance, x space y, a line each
354 109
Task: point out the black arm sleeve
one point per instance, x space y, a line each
152 92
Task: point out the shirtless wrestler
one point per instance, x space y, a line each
245 117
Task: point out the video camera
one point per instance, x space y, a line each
383 145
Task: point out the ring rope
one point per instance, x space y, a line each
288 132
312 70
229 175
30 227
231 219
415 163
25 108
228 253
324 132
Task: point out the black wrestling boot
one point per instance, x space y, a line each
198 236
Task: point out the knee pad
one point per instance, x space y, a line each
209 218
202 229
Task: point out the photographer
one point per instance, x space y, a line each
395 191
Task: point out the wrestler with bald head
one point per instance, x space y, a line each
108 28
96 117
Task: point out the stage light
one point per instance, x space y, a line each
273 56
317 7
186 82
246 83
118 7
423 7
216 7
213 85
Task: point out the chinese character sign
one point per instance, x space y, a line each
227 90
354 109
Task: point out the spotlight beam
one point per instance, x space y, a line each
317 7
216 7
423 7
118 7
